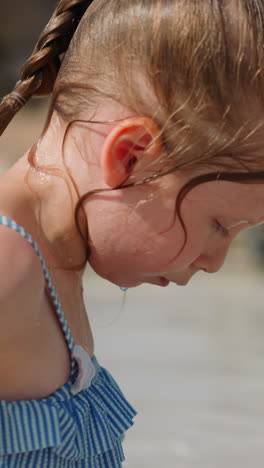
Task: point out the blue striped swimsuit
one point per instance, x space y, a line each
81 425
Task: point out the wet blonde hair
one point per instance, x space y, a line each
193 66
185 63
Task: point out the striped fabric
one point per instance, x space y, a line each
67 429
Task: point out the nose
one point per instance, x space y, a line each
213 261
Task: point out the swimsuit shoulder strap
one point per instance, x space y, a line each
53 295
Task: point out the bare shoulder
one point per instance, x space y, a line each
20 268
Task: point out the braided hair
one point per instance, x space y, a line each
39 72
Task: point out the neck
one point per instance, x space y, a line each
42 201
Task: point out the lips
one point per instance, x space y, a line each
164 282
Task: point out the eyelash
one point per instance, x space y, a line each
219 228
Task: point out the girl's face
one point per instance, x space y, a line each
144 242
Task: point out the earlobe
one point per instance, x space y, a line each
131 141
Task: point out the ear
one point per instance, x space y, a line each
131 141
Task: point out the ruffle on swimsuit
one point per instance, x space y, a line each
81 425
83 430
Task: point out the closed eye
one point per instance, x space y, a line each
218 227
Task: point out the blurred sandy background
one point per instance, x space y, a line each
189 359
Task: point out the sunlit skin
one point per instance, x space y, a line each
148 247
135 236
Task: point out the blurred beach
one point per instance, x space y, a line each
190 359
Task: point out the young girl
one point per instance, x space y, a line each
149 165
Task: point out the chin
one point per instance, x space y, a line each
182 282
117 281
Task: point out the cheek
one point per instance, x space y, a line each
136 243
154 249
148 238
195 241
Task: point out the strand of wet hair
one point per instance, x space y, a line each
40 71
